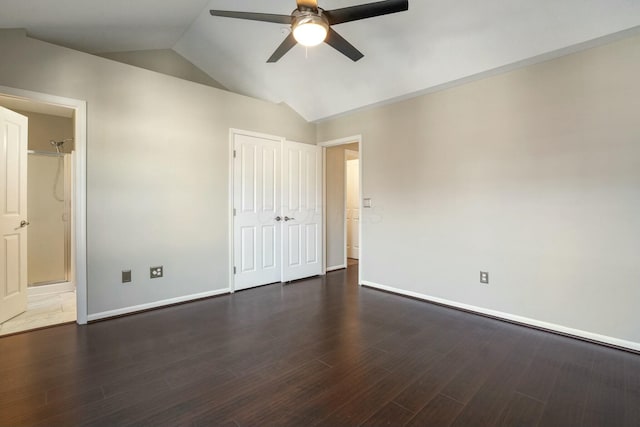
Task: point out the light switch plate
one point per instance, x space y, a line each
366 203
484 277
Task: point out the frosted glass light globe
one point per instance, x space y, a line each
310 33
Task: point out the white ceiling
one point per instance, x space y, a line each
434 43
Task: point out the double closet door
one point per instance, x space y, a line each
277 218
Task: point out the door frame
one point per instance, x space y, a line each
79 188
332 143
232 133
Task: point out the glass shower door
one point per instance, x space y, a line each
48 206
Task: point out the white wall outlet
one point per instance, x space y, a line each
156 272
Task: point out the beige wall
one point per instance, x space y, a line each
157 167
335 172
533 175
43 128
165 61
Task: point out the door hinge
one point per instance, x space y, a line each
234 154
234 211
234 270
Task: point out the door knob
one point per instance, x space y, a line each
23 223
278 218
286 218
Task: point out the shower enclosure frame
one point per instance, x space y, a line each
78 188
67 159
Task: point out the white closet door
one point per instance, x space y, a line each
301 210
257 231
13 214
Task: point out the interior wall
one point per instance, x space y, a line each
157 167
44 128
533 176
166 61
335 200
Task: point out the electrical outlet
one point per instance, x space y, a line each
126 276
484 277
155 272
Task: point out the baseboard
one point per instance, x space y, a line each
336 267
54 288
157 304
563 330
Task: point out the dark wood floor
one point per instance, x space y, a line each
317 352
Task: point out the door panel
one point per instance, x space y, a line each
302 203
13 204
257 244
312 243
269 238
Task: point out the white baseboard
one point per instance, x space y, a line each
336 267
156 304
512 317
54 288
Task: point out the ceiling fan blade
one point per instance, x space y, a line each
284 47
307 4
264 17
337 42
364 11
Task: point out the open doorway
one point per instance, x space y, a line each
352 205
342 172
44 287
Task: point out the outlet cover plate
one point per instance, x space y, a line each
156 272
484 277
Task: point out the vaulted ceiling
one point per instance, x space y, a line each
435 43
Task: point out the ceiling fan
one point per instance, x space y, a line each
311 25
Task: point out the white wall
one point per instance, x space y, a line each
166 61
157 167
533 175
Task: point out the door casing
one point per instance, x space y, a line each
79 191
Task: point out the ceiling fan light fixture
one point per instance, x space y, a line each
310 30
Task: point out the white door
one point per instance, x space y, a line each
256 182
13 214
353 208
301 210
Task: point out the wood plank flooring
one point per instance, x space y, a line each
320 352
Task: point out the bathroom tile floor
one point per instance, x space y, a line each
43 310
